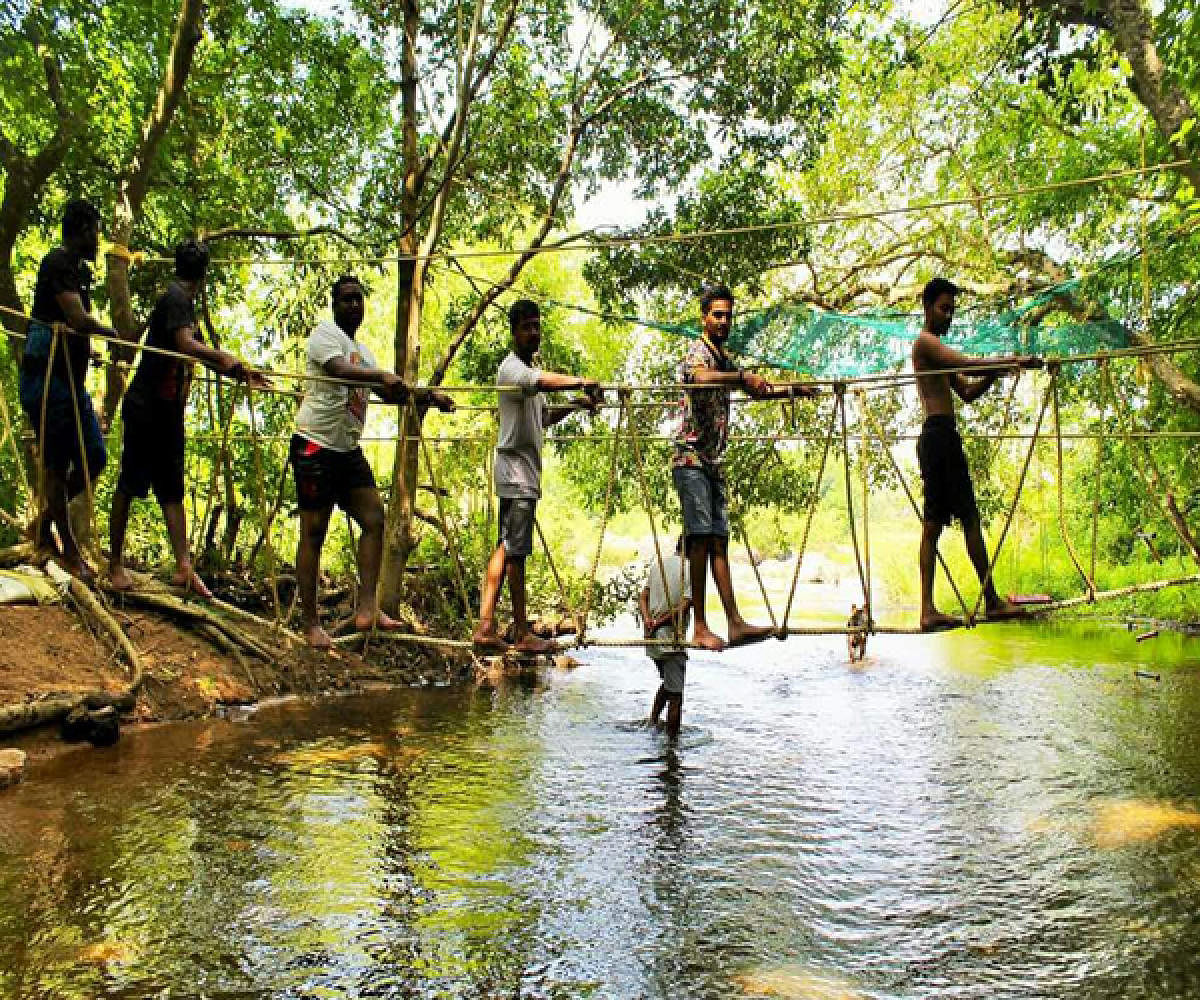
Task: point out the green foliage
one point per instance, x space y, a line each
732 119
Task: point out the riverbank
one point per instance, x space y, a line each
54 653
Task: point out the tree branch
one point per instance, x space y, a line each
237 232
188 32
518 265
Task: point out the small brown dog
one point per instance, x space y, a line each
856 638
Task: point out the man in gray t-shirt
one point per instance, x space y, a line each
523 416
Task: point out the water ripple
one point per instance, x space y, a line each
965 817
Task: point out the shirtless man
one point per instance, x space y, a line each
947 480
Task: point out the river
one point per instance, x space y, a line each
1007 812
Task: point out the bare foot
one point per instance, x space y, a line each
530 643
706 639
79 569
383 622
190 581
119 578
935 621
743 635
1000 609
486 641
318 638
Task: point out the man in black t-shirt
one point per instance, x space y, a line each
51 384
152 452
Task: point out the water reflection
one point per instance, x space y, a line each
1000 813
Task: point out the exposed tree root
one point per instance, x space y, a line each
29 714
15 555
196 614
26 715
219 639
263 623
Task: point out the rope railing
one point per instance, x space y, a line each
867 434
855 438
874 379
588 240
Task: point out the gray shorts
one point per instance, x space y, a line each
702 497
516 526
671 668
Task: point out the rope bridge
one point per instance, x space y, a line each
848 423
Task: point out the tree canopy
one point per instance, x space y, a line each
390 138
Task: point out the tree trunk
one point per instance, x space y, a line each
1132 27
399 537
24 178
14 217
25 175
1181 388
134 181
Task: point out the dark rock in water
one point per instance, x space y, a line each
100 727
107 727
74 726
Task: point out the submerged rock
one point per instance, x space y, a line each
1119 822
12 767
795 983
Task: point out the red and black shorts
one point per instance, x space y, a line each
325 477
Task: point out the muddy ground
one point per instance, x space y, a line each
51 650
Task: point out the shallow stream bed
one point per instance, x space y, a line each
1009 812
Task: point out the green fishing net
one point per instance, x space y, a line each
842 345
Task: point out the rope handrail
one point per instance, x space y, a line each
576 242
874 379
449 439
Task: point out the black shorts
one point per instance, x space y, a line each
517 515
152 452
324 476
948 490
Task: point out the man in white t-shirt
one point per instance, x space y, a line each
328 463
523 417
666 604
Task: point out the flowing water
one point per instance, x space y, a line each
1010 812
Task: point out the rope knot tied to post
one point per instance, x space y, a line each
132 257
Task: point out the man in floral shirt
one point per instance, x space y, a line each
697 466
